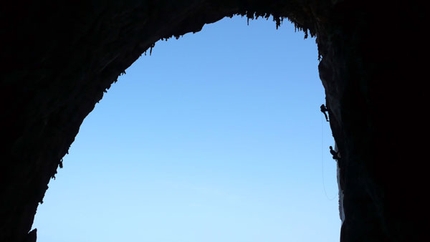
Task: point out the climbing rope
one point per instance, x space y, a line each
322 161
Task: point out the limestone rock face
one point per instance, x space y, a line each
58 57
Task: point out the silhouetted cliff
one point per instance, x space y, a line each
58 58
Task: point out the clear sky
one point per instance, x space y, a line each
215 137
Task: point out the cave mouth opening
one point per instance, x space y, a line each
216 135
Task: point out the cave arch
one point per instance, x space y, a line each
59 58
283 109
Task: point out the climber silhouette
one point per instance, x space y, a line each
334 153
324 110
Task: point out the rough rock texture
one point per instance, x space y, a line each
58 58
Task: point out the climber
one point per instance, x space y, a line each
324 109
334 153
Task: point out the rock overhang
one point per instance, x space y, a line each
61 57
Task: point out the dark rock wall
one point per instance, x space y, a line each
372 69
58 58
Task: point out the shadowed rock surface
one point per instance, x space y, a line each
58 58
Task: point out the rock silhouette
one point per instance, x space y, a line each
59 57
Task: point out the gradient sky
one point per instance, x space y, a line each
215 137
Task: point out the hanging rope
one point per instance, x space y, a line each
322 161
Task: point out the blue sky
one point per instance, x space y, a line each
214 137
